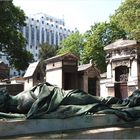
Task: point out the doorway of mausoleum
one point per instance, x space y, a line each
92 86
121 79
70 80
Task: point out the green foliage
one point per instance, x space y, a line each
46 51
90 46
97 38
72 44
128 17
12 42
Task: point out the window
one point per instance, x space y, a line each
42 22
42 35
52 38
47 35
38 36
56 38
27 33
14 73
32 35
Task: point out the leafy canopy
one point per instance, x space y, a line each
73 43
46 51
128 17
100 35
12 42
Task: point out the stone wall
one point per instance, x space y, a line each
13 89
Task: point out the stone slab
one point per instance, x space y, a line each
21 127
92 133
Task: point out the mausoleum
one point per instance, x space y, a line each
64 71
123 69
33 75
4 71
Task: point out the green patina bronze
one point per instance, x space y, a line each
49 101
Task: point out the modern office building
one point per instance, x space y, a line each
41 28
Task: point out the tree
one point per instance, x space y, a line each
100 35
46 51
128 17
12 42
73 44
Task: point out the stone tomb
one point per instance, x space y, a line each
64 71
123 69
86 126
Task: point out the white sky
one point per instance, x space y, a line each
77 13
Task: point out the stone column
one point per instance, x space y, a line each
85 82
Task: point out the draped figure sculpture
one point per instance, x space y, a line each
48 101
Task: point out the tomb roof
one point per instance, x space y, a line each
31 69
61 57
120 44
84 67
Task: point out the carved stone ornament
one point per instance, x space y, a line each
120 63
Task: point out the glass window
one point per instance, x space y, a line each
56 38
32 35
38 36
42 35
27 33
47 36
52 38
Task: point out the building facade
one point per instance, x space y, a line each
41 28
123 69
